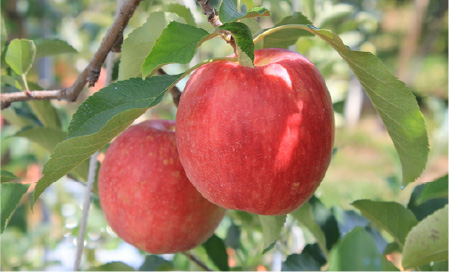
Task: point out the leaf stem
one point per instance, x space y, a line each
187 72
206 38
25 83
278 28
201 64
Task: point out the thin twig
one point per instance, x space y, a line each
111 42
86 205
8 98
197 261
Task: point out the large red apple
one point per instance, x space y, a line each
256 139
146 197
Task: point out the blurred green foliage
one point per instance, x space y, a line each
365 166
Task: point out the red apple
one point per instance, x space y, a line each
146 197
256 139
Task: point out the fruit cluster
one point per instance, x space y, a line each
253 139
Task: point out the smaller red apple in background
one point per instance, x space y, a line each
145 195
256 139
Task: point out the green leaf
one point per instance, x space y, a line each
428 241
378 239
99 119
356 252
23 110
138 44
287 37
52 47
43 109
271 226
48 138
391 216
3 35
216 250
349 219
392 99
228 12
6 176
310 259
440 266
435 189
156 263
252 24
181 262
19 219
3 63
340 12
112 266
395 104
305 217
391 247
243 39
176 44
8 80
233 236
309 8
119 97
268 248
17 120
3 42
46 113
11 193
425 209
182 11
20 55
325 218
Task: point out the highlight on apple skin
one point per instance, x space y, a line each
145 195
256 139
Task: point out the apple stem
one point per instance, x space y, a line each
239 55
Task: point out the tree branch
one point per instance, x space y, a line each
111 42
8 98
210 12
197 261
213 18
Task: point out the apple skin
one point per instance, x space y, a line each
145 195
256 139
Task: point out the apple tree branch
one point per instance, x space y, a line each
111 42
213 18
